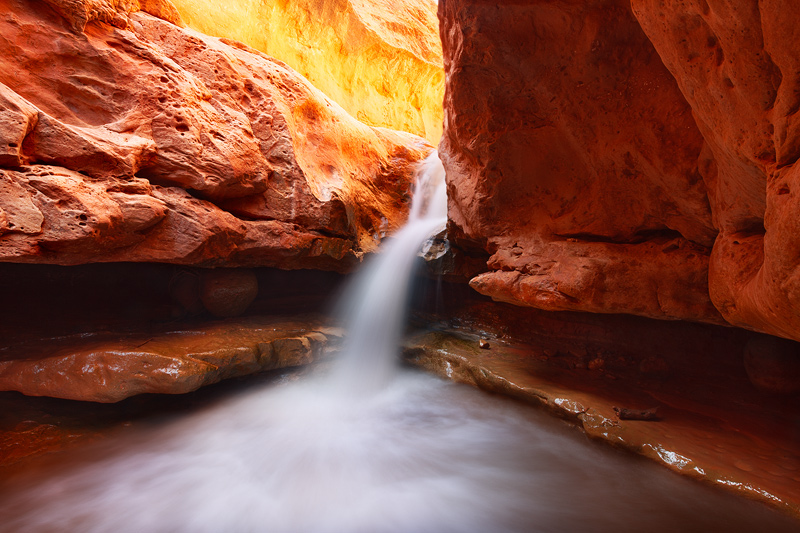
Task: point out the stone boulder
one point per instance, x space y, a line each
228 292
129 138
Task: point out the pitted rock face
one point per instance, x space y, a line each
138 140
737 65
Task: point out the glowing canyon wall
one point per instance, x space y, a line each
628 157
380 60
127 138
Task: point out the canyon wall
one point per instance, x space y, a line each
628 157
125 137
381 60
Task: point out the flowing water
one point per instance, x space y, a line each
367 448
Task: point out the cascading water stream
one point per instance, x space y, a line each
359 452
374 307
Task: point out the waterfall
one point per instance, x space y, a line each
360 452
374 306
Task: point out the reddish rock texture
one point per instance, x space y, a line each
107 367
737 65
573 158
622 158
127 138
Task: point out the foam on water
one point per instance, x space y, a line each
367 450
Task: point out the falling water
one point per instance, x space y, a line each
408 454
374 307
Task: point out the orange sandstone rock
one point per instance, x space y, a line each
106 367
574 159
144 141
620 158
737 65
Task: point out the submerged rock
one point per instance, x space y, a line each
138 140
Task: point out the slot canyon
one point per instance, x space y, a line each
192 194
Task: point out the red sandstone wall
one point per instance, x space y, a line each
628 159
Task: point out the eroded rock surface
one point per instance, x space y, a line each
737 65
381 60
572 157
107 367
129 138
711 424
628 157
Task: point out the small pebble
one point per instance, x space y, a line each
597 364
484 344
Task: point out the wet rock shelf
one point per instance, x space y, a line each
106 367
722 432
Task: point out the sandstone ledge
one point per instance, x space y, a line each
730 436
107 367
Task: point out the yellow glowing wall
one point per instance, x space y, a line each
381 60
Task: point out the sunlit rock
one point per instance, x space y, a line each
381 60
144 141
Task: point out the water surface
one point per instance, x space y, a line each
421 455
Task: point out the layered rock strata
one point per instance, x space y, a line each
128 138
620 157
380 60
